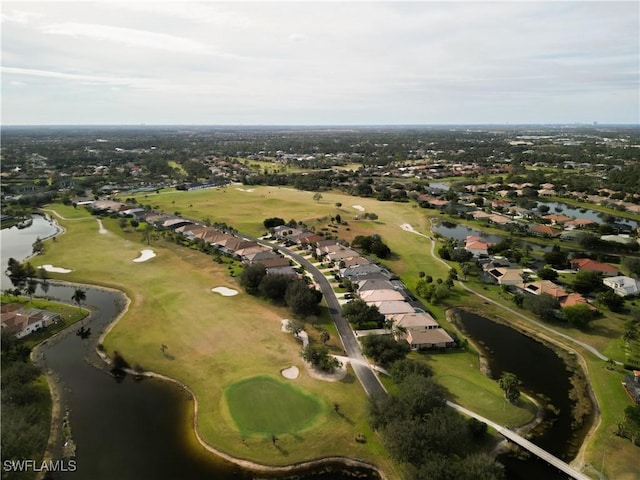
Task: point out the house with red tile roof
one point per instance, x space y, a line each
590 265
545 231
475 245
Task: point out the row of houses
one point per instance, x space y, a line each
375 285
20 322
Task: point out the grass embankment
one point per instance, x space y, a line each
212 341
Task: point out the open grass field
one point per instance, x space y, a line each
264 405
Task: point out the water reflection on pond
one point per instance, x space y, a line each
543 374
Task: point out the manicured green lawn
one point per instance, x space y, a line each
267 406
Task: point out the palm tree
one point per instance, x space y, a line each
79 296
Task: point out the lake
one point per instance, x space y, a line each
544 375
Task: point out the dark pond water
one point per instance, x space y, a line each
578 212
460 232
544 375
127 429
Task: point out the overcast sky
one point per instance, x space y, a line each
320 63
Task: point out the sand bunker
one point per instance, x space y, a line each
145 255
246 189
290 373
224 291
52 269
358 207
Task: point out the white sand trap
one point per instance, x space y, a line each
250 190
290 373
52 269
224 291
358 207
145 255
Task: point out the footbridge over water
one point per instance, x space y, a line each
524 443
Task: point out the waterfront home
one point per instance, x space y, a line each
22 322
476 246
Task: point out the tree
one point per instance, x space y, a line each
544 305
338 204
273 222
251 277
318 356
79 296
361 314
587 282
295 327
405 367
317 196
301 299
613 302
324 336
579 315
547 273
383 349
274 286
510 386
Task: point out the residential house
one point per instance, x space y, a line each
622 285
476 246
575 299
24 322
632 385
393 307
365 285
544 286
557 219
388 294
508 276
423 339
624 239
545 231
578 223
587 264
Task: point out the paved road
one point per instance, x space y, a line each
369 380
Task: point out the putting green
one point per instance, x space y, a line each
264 405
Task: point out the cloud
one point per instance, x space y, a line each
129 36
20 16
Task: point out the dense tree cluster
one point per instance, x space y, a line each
294 292
25 416
372 244
384 349
363 315
431 440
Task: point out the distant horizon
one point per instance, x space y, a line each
318 125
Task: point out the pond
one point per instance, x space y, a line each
460 233
544 375
18 243
126 429
580 212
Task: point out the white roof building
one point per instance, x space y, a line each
623 286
